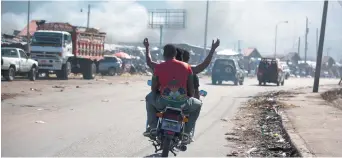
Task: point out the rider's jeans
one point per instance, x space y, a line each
192 107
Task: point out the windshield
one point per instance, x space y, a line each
47 38
9 53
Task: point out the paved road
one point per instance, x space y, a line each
101 119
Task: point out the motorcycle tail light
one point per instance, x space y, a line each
159 114
185 119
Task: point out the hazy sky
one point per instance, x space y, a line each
252 22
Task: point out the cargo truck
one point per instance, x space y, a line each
61 49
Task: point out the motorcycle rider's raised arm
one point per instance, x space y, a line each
190 83
151 64
199 68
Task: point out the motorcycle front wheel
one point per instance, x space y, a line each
166 147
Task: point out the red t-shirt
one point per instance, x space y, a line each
173 76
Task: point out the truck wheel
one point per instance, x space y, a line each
219 82
32 74
278 83
213 81
260 83
10 74
111 71
90 71
65 72
241 82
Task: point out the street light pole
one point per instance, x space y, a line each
275 39
206 30
88 16
28 27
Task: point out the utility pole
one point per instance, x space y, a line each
316 40
206 30
306 39
88 16
239 46
28 27
299 46
320 47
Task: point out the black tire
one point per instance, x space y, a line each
278 83
10 74
65 72
282 83
111 71
241 82
166 147
32 74
90 71
264 83
213 81
236 82
220 82
260 83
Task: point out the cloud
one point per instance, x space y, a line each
252 22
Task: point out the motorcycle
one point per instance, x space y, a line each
169 135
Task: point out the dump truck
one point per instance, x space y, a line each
61 49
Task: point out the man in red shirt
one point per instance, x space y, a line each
172 85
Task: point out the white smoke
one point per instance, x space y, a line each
252 22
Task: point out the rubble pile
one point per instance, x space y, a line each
260 131
332 94
334 97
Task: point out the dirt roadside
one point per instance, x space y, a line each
23 87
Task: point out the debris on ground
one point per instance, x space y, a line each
105 100
5 96
233 154
77 86
40 122
262 134
58 86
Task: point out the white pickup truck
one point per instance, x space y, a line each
14 61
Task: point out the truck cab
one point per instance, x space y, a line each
51 49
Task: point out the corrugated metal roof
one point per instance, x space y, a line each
33 28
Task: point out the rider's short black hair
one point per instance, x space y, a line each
186 56
169 51
179 55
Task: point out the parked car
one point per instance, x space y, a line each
227 70
270 71
110 65
15 61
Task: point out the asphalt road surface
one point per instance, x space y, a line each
107 117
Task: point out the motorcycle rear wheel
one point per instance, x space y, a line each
166 147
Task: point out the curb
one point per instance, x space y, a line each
295 139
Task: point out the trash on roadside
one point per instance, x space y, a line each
233 153
251 150
231 137
77 86
105 100
58 86
224 119
41 122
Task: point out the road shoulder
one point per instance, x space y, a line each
314 126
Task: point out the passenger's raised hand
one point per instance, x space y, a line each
214 44
146 43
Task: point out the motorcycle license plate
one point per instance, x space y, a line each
171 125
